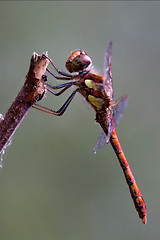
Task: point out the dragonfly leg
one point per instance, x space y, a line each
65 85
58 71
60 92
60 78
61 110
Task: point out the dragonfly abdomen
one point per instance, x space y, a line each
134 190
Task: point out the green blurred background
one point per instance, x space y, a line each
52 186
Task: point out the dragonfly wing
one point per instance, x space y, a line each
100 141
104 137
107 71
118 108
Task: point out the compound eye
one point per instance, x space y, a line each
85 61
78 61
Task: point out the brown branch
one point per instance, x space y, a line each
32 91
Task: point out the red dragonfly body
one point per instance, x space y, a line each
98 92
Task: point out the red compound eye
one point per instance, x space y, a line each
78 61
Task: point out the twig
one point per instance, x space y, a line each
32 91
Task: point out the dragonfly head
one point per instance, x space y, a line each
78 61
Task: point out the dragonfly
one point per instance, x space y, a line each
98 92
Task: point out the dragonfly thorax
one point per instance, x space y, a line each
78 61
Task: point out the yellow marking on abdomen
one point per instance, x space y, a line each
97 102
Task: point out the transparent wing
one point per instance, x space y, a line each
107 71
104 137
101 140
118 108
